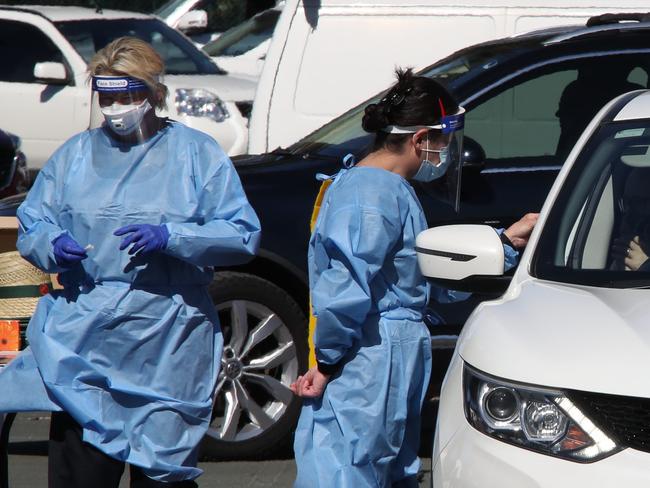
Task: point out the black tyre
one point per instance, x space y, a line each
265 347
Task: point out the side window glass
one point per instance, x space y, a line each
259 30
175 59
519 126
639 76
537 121
222 15
35 47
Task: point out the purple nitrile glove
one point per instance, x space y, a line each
67 252
144 237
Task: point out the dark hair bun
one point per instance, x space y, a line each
375 118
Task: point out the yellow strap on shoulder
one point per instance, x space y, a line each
314 216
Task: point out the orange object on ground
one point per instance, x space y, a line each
9 335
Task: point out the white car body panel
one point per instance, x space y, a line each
546 320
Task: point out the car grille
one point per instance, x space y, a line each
245 108
625 419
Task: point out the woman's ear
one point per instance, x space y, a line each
419 138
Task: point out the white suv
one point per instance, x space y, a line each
45 97
548 385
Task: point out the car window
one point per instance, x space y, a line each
222 15
35 47
520 123
598 231
244 37
168 8
538 118
178 53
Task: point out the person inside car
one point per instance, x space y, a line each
581 99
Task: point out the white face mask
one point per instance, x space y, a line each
124 119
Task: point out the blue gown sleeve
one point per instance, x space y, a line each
227 231
356 241
38 221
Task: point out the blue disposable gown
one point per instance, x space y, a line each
131 348
368 296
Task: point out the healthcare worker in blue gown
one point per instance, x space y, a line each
360 423
133 215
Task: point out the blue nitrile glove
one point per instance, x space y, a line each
144 237
67 252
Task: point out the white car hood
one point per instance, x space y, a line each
227 87
563 336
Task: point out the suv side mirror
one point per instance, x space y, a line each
51 73
194 21
473 155
463 257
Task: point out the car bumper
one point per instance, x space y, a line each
473 459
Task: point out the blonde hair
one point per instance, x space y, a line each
130 56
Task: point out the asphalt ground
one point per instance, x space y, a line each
28 463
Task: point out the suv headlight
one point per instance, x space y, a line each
534 418
200 103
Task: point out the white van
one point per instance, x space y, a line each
547 385
329 55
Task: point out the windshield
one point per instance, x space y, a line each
598 232
244 37
180 55
168 8
454 72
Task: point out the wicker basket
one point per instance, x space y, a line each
21 285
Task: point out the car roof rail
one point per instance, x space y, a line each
606 19
605 23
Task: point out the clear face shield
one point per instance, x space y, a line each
452 129
441 156
121 104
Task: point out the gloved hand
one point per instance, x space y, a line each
144 237
67 252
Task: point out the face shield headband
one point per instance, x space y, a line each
448 124
117 84
125 104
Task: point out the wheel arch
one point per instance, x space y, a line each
279 271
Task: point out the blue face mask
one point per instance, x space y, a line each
429 171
